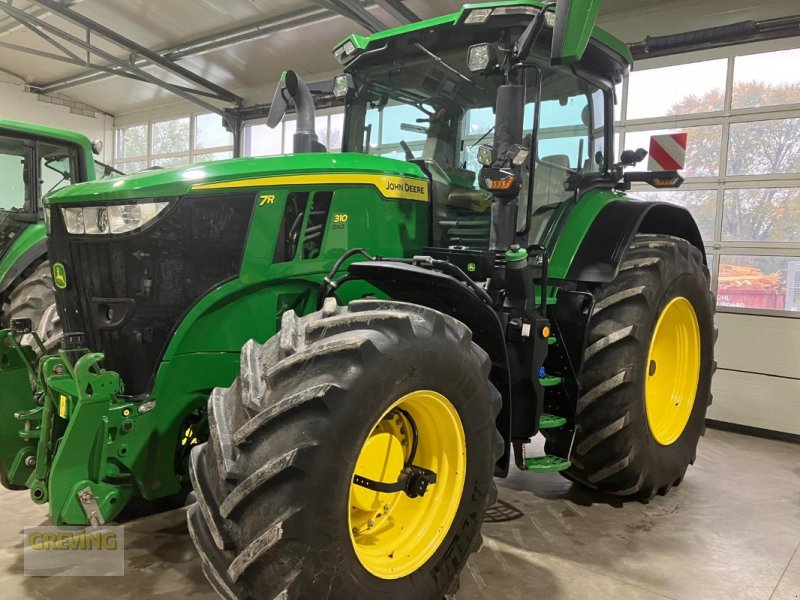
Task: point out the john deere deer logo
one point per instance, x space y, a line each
60 276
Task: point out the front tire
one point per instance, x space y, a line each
646 373
278 514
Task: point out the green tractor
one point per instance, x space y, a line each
339 352
34 160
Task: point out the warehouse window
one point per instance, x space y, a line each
209 132
764 147
260 140
763 79
172 143
131 148
740 107
653 92
761 215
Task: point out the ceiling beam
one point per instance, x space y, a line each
22 16
9 24
206 44
353 10
128 44
211 43
399 11
42 53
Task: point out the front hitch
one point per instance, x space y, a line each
20 414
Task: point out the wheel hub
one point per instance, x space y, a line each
673 371
407 484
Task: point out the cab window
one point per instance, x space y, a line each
16 160
58 167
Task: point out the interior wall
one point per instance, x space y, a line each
20 105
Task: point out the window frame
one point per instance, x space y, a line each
718 247
281 128
150 157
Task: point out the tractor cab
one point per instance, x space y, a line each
431 96
29 169
34 161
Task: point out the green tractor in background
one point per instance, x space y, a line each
339 352
34 160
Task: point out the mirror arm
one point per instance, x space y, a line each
528 38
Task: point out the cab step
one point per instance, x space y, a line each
550 381
547 421
546 464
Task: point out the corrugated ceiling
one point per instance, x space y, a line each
165 24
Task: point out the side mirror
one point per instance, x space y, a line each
574 22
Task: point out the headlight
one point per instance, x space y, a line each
481 57
478 16
345 51
343 85
112 219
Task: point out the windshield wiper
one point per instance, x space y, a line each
450 68
483 137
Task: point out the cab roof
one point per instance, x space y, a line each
599 36
43 131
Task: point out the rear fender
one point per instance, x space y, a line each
408 283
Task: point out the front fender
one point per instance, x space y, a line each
441 292
28 248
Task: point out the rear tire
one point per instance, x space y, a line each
273 484
615 448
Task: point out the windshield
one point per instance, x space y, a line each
432 110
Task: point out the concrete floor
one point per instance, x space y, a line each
731 531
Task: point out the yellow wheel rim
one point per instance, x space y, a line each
394 535
673 370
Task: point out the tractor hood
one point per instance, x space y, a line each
179 181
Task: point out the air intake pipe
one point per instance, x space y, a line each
293 87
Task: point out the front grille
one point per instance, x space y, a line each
148 279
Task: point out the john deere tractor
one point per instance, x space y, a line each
34 160
339 352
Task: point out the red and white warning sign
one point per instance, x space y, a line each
667 152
